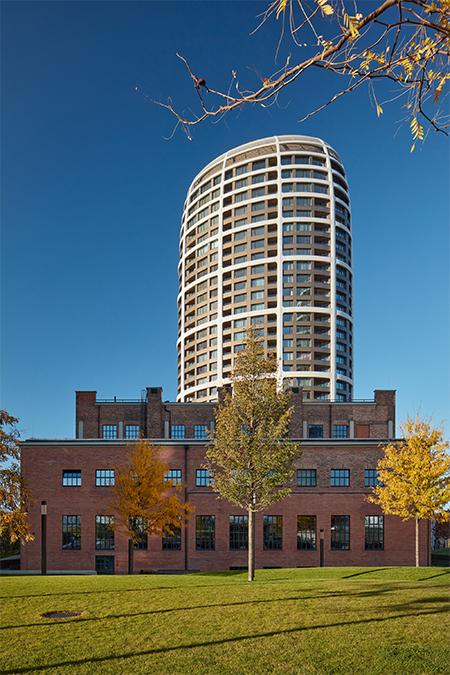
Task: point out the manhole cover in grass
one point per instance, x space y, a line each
59 615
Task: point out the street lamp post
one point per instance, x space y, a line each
43 537
322 535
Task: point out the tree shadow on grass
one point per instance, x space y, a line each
148 589
358 574
222 605
214 643
434 576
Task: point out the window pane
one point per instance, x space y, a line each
172 542
173 476
340 533
109 431
104 532
202 478
370 477
340 477
177 431
374 532
104 477
273 532
132 431
239 533
306 477
340 430
71 478
200 431
306 533
71 532
139 526
205 531
315 431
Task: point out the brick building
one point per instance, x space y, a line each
341 445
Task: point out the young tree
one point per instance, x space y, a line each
14 496
144 502
405 43
250 460
414 476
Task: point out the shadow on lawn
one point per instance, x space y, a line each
213 643
358 574
434 576
223 605
141 590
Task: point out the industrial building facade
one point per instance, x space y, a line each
341 444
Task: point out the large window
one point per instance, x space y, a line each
173 476
374 532
370 477
340 533
200 431
104 533
306 477
340 477
273 532
132 431
205 533
177 431
238 533
315 431
172 542
104 477
306 533
340 430
139 527
71 532
202 478
71 478
109 431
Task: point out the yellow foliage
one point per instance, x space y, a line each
414 474
416 129
141 494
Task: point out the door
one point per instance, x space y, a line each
104 564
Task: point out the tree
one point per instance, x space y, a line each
250 460
143 501
414 476
14 496
403 42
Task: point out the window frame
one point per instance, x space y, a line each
205 532
105 521
70 528
72 472
339 477
343 535
374 542
238 532
309 542
105 477
309 477
273 539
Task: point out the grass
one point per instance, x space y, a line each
330 620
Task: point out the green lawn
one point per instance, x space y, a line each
331 620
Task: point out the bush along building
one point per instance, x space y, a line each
341 442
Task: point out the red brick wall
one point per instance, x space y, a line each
372 418
42 467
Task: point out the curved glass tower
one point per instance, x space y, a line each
266 240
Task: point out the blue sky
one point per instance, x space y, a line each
92 195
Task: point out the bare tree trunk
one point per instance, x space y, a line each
130 557
417 542
251 545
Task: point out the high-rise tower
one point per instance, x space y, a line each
266 240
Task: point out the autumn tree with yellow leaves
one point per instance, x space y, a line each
143 501
414 476
14 496
405 43
250 459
